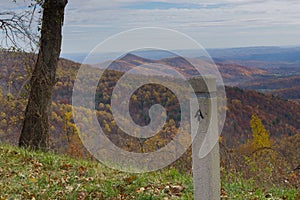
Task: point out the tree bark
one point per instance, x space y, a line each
35 131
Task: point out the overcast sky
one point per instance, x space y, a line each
213 23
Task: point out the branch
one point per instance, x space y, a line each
263 148
16 28
297 168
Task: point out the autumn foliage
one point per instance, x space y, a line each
260 138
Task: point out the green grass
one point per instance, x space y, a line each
246 189
35 175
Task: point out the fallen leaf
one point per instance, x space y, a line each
130 179
33 180
177 189
69 188
81 195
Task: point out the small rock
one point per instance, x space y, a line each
142 189
177 189
69 188
167 189
268 196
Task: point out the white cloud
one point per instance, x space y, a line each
217 26
93 11
230 22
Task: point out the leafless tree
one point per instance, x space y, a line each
19 28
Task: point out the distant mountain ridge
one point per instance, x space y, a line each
247 74
232 74
267 54
258 53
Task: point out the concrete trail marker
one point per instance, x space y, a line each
205 146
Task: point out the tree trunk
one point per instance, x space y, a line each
35 131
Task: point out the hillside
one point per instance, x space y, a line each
286 87
281 117
35 175
232 73
238 156
280 67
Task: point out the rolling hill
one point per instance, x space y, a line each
287 87
280 116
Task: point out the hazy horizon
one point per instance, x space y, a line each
159 54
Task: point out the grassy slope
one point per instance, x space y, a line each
35 175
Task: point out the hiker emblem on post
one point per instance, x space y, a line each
199 115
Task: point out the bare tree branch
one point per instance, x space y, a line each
16 28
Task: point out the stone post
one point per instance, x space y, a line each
205 147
